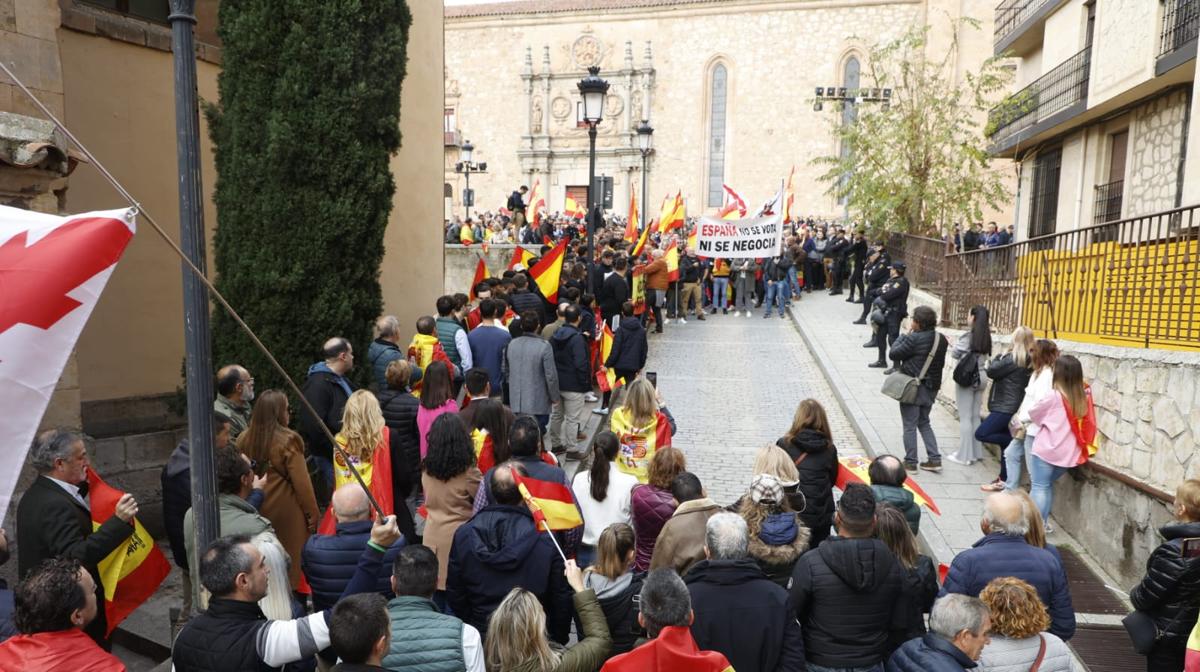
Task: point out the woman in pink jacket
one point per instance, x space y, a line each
1066 422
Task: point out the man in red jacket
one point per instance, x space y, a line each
666 613
54 603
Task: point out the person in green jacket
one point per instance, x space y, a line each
517 642
887 482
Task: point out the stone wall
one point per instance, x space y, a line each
461 261
1148 413
1156 137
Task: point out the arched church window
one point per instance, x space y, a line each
716 134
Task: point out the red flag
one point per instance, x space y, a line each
546 240
481 274
52 271
521 256
376 472
133 571
853 469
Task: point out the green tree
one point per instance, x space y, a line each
308 119
920 163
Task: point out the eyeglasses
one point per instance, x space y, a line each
248 381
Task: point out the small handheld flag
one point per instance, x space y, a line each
550 494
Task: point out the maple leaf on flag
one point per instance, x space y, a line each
35 279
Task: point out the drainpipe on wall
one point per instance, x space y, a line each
1082 181
1183 142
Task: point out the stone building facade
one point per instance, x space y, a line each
727 86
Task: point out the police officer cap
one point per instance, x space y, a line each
899 265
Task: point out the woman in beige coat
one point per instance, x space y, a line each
278 452
450 478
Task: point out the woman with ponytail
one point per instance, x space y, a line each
615 583
603 493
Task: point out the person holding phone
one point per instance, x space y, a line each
1170 591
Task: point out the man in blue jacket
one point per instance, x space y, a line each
959 628
571 360
1003 552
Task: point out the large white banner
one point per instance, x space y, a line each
753 237
52 270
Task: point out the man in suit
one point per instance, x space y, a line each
54 517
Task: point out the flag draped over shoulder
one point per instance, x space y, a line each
853 469
485 452
607 379
547 272
52 271
639 442
425 350
133 571
521 257
481 274
552 504
466 235
376 472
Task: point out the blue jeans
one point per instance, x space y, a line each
777 294
1013 454
813 667
1042 475
793 280
720 293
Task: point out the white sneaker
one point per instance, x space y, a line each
953 457
666 321
749 314
590 398
683 320
600 411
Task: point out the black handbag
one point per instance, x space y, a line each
1143 632
966 372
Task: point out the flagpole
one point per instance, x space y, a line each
198 274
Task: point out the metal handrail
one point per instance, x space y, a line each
1061 87
1180 25
1109 198
1010 14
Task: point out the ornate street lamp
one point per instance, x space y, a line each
593 90
466 166
645 134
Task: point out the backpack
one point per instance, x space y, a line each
966 372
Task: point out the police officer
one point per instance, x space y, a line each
894 297
876 272
836 251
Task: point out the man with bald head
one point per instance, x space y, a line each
327 389
384 349
328 560
499 549
1003 552
235 391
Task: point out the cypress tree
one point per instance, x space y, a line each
309 116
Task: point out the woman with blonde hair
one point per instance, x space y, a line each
289 500
1170 591
775 461
777 536
1009 374
1019 637
616 582
516 634
809 444
366 440
1042 356
643 425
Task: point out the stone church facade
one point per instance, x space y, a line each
727 85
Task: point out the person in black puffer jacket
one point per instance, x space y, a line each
1170 591
910 353
809 443
920 584
616 582
1010 374
399 408
847 592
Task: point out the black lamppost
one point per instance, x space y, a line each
466 167
646 144
593 89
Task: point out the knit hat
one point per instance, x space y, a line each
765 488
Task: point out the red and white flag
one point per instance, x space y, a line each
52 270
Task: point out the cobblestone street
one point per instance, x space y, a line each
733 384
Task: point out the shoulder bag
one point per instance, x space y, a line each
1037 662
903 387
1143 631
966 372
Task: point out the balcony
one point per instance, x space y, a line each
1020 24
1108 202
1052 99
1177 41
453 138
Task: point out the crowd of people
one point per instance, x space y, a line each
439 562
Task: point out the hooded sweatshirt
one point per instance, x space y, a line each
616 599
496 551
816 459
846 595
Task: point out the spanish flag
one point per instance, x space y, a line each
481 274
673 214
572 209
552 504
537 201
466 235
133 571
548 272
672 258
607 379
522 257
639 441
789 197
853 469
485 455
641 243
631 223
